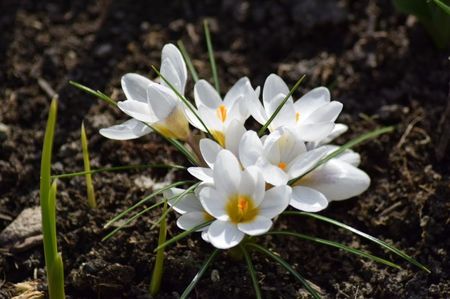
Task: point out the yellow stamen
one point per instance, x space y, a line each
241 209
222 113
297 116
282 165
174 126
219 137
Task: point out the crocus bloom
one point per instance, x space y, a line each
239 202
153 104
313 115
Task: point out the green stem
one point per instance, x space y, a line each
87 167
212 60
188 60
155 283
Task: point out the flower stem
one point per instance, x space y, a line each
155 283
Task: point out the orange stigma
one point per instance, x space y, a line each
242 205
222 113
282 165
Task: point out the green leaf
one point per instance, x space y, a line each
182 235
56 288
155 283
87 167
348 145
362 234
212 60
199 274
443 6
288 267
336 245
272 117
97 93
188 61
252 272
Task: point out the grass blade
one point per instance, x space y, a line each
336 245
57 287
116 168
188 60
182 235
364 137
362 234
199 274
177 198
288 267
252 272
442 6
87 167
155 283
144 200
272 117
97 93
212 59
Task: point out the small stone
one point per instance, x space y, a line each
215 275
144 182
26 225
4 131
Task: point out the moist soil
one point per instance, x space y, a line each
381 65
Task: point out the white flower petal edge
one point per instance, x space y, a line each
308 199
173 67
131 129
224 234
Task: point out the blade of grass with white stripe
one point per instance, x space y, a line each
364 137
199 274
97 93
288 267
362 234
177 198
188 60
87 167
212 59
252 272
182 235
336 245
272 117
144 200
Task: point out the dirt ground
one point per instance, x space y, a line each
380 64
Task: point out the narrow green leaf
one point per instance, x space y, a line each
97 93
56 288
443 6
364 137
336 245
188 60
212 59
181 148
182 235
155 283
87 167
144 200
199 274
116 168
177 198
288 267
252 272
272 117
362 234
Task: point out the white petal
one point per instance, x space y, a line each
205 234
252 184
130 129
173 67
273 86
337 180
188 203
347 156
260 225
312 100
256 109
135 87
209 149
250 148
193 120
206 95
308 199
210 119
162 100
227 173
273 174
315 132
275 201
202 173
284 118
327 113
240 88
138 110
191 220
224 234
233 135
213 202
306 161
237 111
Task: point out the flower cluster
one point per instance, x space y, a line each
246 178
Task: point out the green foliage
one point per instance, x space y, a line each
87 167
155 283
434 16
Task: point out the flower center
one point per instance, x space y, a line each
207 216
222 113
219 137
241 208
297 116
282 165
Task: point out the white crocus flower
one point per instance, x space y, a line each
313 115
154 104
191 210
239 202
217 114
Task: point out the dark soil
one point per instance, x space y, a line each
380 64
